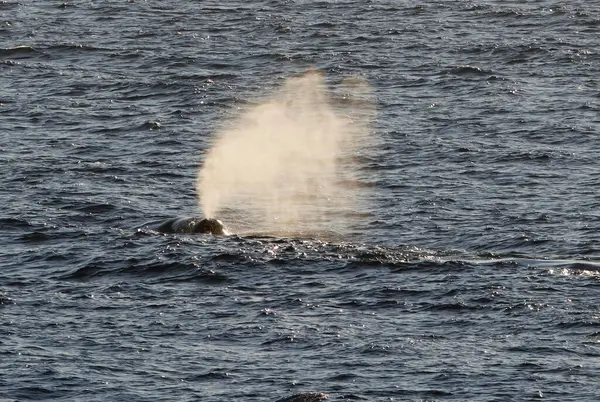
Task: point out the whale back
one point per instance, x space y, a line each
212 226
193 226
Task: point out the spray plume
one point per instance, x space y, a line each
286 166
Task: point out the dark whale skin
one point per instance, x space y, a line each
193 226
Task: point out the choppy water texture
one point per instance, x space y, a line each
473 272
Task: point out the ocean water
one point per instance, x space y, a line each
473 272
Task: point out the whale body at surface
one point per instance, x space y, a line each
193 226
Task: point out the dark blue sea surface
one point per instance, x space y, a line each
473 273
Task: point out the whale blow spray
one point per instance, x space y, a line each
287 165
